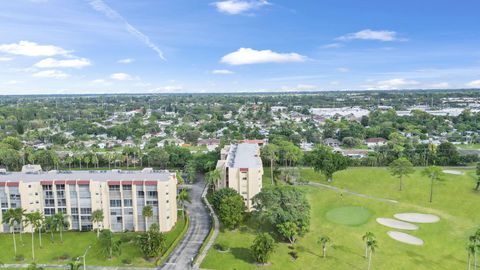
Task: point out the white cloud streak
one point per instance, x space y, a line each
102 7
69 63
222 72
51 73
246 56
125 61
121 76
235 7
27 48
368 34
474 84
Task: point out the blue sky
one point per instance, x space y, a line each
156 46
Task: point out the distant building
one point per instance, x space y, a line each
211 144
334 143
121 195
241 169
375 142
257 142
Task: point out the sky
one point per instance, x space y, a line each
190 46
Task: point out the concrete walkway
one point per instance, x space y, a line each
340 190
182 256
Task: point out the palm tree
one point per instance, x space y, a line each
213 177
9 218
33 220
183 197
147 213
97 217
372 246
19 220
38 224
51 225
400 168
435 174
61 222
324 240
367 237
270 152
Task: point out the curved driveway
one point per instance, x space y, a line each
187 249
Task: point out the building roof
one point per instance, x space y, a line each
244 155
103 176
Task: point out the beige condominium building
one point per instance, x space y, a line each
121 195
241 169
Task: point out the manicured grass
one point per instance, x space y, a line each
349 215
472 146
74 245
454 201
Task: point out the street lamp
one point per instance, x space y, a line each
84 255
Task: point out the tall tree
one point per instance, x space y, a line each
323 159
107 244
270 153
152 242
325 240
147 213
51 226
97 218
183 197
372 246
368 236
478 177
33 220
213 177
435 174
9 219
400 168
61 223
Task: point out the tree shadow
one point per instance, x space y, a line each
242 254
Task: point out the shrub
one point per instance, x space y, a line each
294 254
63 257
221 247
127 238
127 261
19 258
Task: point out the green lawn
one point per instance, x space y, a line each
471 146
74 244
454 202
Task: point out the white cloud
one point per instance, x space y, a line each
392 84
246 56
333 46
441 85
121 76
222 71
474 84
234 7
299 87
102 7
12 82
368 34
125 61
168 89
5 59
27 48
69 63
343 69
51 73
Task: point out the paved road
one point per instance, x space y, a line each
198 230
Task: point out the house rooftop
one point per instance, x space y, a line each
244 155
147 174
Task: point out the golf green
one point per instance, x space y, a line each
349 215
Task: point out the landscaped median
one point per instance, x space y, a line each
75 243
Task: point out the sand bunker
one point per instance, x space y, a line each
453 172
396 224
417 218
406 238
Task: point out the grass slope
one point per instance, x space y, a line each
444 249
74 244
